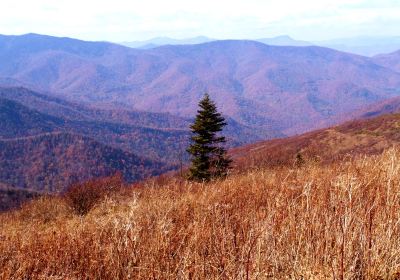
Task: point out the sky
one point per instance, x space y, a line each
131 20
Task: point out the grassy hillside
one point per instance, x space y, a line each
334 221
368 136
334 216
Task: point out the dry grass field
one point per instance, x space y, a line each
339 220
360 137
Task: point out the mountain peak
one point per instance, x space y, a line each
283 37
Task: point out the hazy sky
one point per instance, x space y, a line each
129 20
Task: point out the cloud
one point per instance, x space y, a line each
121 20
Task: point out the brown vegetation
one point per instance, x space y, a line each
82 197
333 221
361 137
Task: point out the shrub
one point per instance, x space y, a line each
299 161
82 197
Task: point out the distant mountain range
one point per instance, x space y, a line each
276 90
363 45
94 108
367 46
284 41
163 41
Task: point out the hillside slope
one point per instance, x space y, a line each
389 106
51 162
17 120
43 152
391 60
165 128
61 108
13 197
369 136
288 89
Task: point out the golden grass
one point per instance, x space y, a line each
336 221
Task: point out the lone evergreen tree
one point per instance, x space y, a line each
209 158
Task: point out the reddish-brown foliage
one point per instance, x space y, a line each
362 137
82 197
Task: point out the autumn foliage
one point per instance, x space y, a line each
82 197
